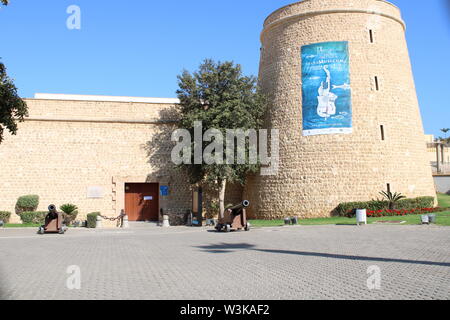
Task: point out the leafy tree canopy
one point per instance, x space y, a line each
220 97
12 107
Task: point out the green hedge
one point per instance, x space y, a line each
27 203
417 203
349 208
35 217
4 216
92 219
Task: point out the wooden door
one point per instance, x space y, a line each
142 201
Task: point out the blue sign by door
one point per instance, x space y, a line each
164 191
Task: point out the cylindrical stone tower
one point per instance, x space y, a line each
341 93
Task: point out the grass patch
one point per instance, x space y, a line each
444 200
442 219
20 225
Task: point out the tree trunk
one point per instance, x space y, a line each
223 185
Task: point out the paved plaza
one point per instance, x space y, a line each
319 262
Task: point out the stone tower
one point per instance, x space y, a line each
341 93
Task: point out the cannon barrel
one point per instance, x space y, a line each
244 204
52 212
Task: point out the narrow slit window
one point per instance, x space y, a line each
371 36
382 132
377 84
388 187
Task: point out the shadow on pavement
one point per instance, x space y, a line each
229 248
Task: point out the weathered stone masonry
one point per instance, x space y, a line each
66 146
318 172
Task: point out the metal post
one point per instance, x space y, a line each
200 206
438 160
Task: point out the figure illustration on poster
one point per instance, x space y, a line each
327 99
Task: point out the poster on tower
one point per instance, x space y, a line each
326 91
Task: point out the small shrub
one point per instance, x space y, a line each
70 213
425 202
27 203
35 217
348 209
4 216
92 219
416 203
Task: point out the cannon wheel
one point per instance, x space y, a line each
248 227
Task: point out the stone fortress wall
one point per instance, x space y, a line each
319 172
69 144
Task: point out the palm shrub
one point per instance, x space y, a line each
4 216
392 198
70 213
28 203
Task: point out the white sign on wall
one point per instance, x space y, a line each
95 192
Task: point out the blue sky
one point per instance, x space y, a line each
137 47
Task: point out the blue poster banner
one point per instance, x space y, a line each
326 91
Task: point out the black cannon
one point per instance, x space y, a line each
53 222
235 218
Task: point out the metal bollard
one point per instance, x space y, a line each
125 223
166 223
98 223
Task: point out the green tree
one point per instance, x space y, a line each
12 107
220 97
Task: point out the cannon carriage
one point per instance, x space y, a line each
235 218
54 222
